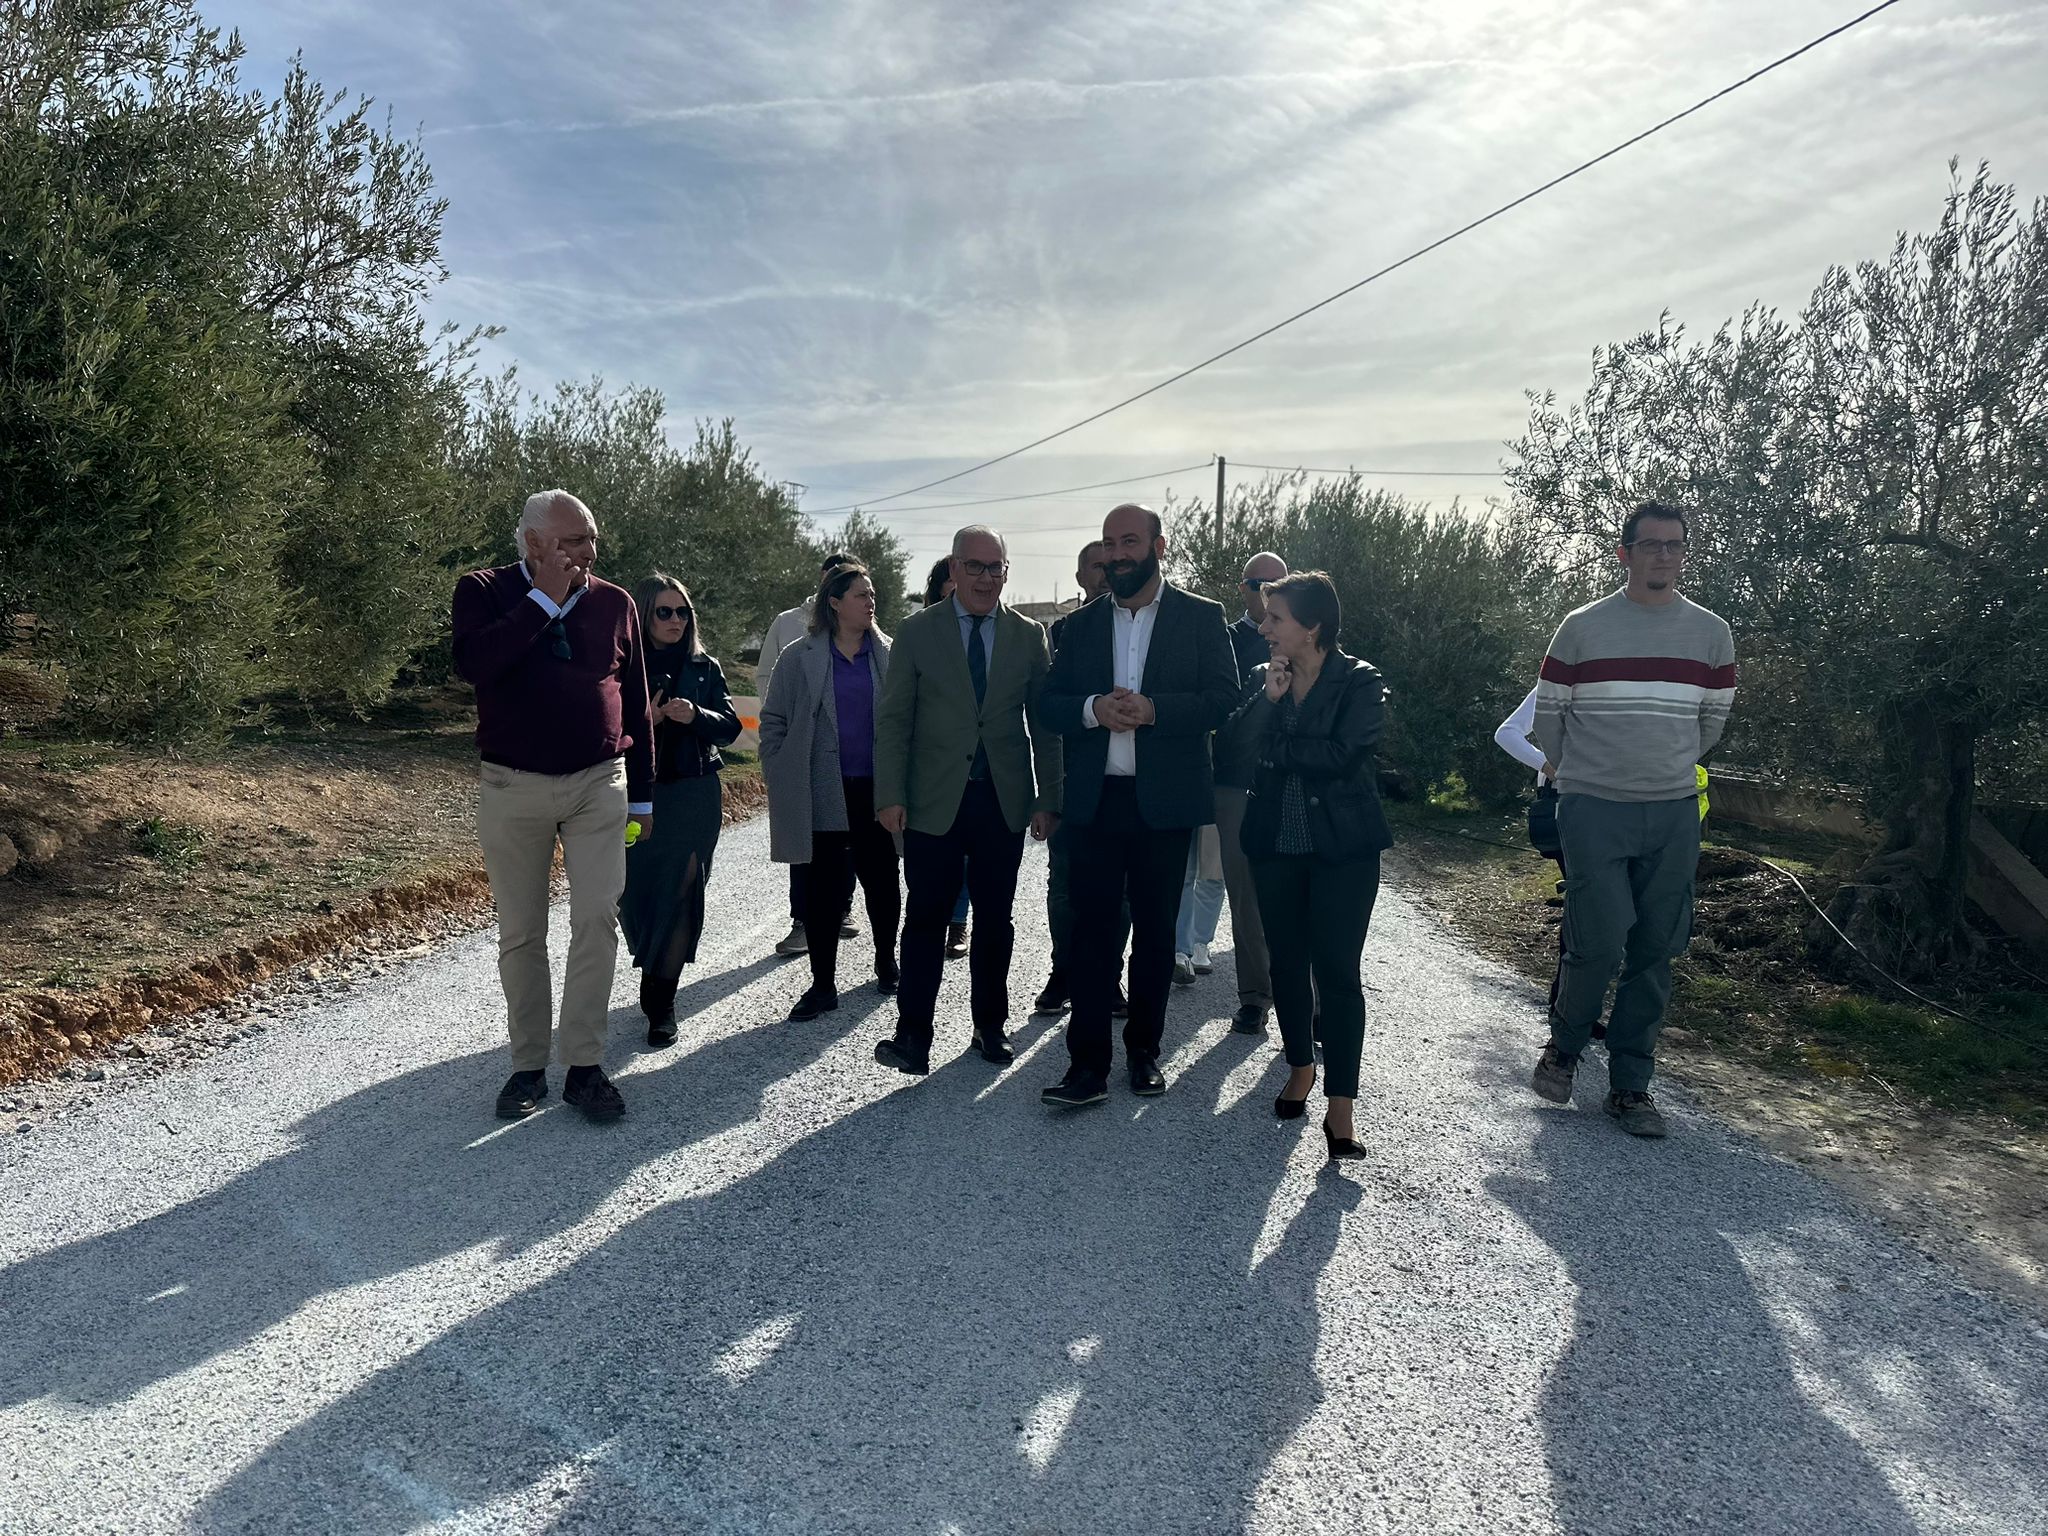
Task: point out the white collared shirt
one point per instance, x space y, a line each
1131 642
548 604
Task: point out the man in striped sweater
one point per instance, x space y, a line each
1634 693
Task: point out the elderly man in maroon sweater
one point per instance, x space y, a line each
568 754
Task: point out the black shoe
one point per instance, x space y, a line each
993 1047
848 929
888 977
1285 1108
1342 1148
1248 1020
814 1002
956 941
1146 1080
1121 1008
522 1094
1073 1091
890 1053
1054 998
661 1031
588 1089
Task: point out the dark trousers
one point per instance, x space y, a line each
1115 858
799 891
865 853
980 847
1059 904
1315 914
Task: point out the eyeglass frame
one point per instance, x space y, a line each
1653 546
980 568
663 612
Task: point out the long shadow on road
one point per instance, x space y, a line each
929 1313
393 1176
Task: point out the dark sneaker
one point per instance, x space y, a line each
588 1089
522 1094
814 1002
1073 1091
956 941
1637 1113
848 928
1248 1020
795 942
1552 1079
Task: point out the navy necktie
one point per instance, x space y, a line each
977 669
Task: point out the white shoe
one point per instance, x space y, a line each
1183 970
1202 963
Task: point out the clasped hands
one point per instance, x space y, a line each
681 711
1122 710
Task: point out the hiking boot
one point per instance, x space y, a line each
1552 1079
794 942
1637 1112
589 1090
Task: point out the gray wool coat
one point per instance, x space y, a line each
800 745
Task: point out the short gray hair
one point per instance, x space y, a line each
536 511
971 530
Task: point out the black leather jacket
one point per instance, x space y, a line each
1332 747
690 751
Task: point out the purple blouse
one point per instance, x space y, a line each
853 695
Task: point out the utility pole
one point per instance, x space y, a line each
1219 498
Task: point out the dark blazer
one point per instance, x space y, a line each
1333 747
1248 645
1191 679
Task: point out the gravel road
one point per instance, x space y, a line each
309 1284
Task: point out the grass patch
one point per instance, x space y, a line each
1943 1059
171 844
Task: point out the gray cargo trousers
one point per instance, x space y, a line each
1627 906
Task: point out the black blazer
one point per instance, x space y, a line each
1333 746
1191 679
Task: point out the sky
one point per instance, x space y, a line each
891 240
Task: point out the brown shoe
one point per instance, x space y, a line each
956 941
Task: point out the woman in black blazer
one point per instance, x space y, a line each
1313 831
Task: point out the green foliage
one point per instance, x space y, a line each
1434 600
171 844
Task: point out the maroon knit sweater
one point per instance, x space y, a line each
538 713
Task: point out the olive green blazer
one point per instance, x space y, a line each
927 726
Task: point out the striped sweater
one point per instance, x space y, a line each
1632 696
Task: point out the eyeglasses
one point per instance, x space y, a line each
560 634
978 568
1658 546
1253 583
664 612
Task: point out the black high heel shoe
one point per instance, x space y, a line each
1285 1108
1342 1148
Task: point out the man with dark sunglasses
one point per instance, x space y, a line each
567 742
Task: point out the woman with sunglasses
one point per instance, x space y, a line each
662 910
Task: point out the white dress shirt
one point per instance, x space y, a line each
548 605
1131 639
1512 736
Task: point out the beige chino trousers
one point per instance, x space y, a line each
520 819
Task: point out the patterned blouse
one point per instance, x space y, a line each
1294 835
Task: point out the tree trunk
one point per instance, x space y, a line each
1904 908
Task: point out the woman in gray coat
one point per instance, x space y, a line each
818 762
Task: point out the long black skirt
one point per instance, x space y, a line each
662 910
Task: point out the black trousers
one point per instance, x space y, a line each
1114 859
981 845
1315 913
866 853
1059 904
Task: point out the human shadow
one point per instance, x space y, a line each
1684 1393
946 1310
406 1171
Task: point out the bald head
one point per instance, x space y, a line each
1263 568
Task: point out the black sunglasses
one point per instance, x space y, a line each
663 611
1256 582
560 632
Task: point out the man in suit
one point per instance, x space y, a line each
1140 685
1091 574
962 767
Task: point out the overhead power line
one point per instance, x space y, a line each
1303 469
990 501
1395 266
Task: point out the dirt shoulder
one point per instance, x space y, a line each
153 886
1940 1128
